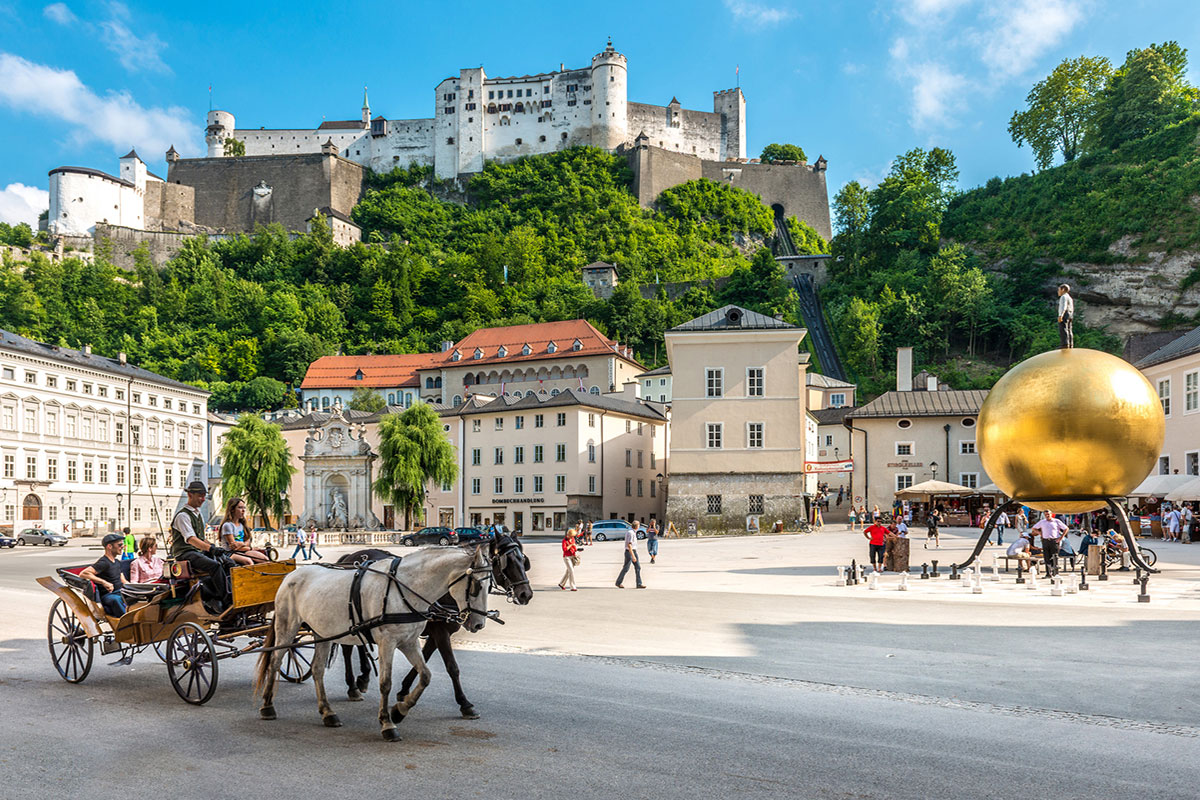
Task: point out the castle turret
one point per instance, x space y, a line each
220 127
731 105
366 109
172 155
133 170
610 87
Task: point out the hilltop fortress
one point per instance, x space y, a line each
288 175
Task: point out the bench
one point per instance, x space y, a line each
1065 563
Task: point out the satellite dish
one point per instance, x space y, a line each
734 316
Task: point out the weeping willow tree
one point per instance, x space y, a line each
256 464
412 452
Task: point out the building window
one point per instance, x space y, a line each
904 448
87 472
1191 391
904 424
519 422
1192 461
639 429
498 455
476 426
120 473
629 458
137 513
591 484
31 377
30 421
966 447
837 400
31 467
539 420
640 459
52 424
519 454
537 484
538 451
1164 465
1164 395
653 431
72 469
754 504
629 426
714 504
629 487
52 382
8 418
713 435
653 488
10 512
653 459
755 383
476 457
903 482
562 420
591 420
969 479
560 453
560 483
499 423
754 435
640 487
519 484
103 392
474 485
498 485
714 382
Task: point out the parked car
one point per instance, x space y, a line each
436 535
466 535
41 536
7 540
607 529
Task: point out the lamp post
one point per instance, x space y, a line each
933 465
120 497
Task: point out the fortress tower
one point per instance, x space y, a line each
220 127
731 105
610 90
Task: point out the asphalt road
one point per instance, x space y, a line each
741 672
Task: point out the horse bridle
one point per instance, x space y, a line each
474 586
502 583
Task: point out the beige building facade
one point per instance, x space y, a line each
1174 372
738 423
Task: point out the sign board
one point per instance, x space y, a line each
752 523
846 465
691 526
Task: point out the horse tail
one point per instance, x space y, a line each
263 668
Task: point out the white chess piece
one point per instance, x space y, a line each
1056 588
904 581
873 583
995 568
977 587
841 581
1033 584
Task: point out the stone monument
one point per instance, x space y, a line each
338 466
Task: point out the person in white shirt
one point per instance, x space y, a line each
1001 524
1066 314
631 558
1051 529
1171 523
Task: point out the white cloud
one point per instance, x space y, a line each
115 118
938 93
853 68
1023 31
21 203
925 11
134 52
60 13
758 14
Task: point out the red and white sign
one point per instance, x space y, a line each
829 466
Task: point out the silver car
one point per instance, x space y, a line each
607 529
41 536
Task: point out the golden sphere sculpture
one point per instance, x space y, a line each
1071 424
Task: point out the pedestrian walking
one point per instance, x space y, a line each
1171 522
301 544
652 540
631 558
839 498
932 521
1001 524
570 558
587 532
1051 529
853 517
1022 520
876 537
312 541
1066 315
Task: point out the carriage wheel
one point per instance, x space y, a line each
70 648
160 650
192 663
296 666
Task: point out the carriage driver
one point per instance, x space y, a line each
188 543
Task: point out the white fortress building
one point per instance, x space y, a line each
478 118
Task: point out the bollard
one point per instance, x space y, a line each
1083 587
1103 576
904 581
1144 597
842 577
977 588
954 571
1033 584
873 583
853 572
1020 574
995 568
934 574
924 571
1137 576
1056 589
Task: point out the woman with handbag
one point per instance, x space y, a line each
570 558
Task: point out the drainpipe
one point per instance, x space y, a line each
946 428
848 423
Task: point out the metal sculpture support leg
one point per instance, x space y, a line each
986 535
1127 534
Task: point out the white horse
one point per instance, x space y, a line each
320 597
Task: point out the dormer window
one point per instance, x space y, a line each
526 350
577 346
456 356
477 354
502 352
358 375
552 348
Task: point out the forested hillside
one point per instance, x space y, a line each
244 317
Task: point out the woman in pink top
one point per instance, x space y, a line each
148 566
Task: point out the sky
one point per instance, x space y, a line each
858 81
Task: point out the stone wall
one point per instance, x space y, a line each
121 243
698 133
688 499
169 206
237 194
799 188
655 170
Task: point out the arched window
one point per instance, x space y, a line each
324 402
429 383
391 398
554 392
595 390
407 399
457 400
437 382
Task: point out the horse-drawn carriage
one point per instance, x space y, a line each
170 617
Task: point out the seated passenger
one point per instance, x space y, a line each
235 534
148 566
106 573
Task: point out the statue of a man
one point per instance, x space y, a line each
337 509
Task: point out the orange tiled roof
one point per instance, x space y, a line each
538 336
330 372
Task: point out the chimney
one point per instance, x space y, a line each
87 349
631 391
120 358
931 383
904 369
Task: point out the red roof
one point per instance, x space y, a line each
338 372
538 337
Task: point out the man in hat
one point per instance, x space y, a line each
188 544
1066 315
106 573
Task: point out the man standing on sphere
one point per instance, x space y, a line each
1066 315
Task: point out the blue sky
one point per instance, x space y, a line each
858 81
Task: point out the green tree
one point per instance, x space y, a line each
1148 92
413 451
1062 109
256 464
234 147
262 394
782 152
861 334
367 399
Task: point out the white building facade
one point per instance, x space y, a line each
81 197
90 443
1174 372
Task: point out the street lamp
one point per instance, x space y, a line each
933 465
120 497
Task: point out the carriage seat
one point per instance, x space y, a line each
143 592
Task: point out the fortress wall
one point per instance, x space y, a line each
656 170
698 134
123 242
408 141
294 142
798 188
169 206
